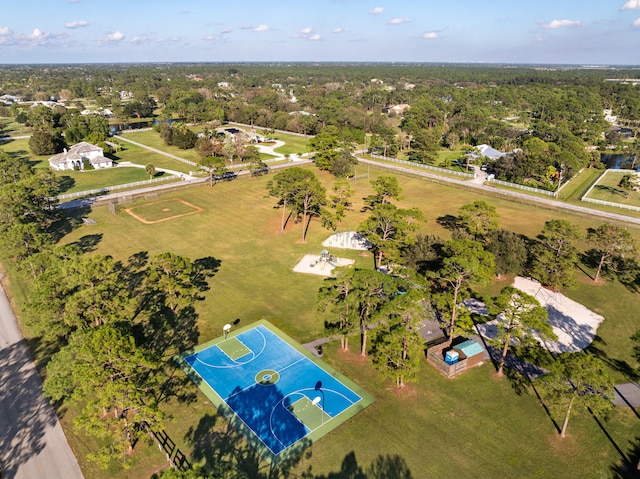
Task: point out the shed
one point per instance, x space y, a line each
469 348
472 351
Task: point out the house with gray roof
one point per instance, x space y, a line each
79 154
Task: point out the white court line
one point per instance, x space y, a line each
236 363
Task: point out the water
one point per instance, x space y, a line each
620 162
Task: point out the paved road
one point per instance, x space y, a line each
531 199
32 443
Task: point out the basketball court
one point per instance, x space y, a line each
272 390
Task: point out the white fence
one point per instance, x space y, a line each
522 187
99 191
426 167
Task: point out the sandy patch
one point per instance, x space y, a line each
311 264
574 324
347 240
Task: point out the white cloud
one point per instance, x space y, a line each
114 37
398 21
316 37
636 22
225 32
5 31
262 28
430 35
76 24
631 5
377 11
337 30
562 23
306 31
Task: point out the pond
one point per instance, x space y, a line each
620 161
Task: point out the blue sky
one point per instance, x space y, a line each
505 31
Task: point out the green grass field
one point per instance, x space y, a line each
472 426
94 179
162 210
607 189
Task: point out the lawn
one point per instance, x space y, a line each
579 184
93 179
153 139
472 426
607 189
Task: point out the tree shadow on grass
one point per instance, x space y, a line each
621 366
611 190
67 221
66 183
88 243
629 469
387 466
221 448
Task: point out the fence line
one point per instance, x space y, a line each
584 197
522 187
426 167
609 203
594 201
98 191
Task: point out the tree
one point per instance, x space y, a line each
334 298
354 299
284 186
385 187
341 200
509 250
388 228
554 256
577 380
215 166
170 276
398 348
612 244
151 170
628 183
333 152
45 142
465 264
114 381
520 322
478 219
309 200
78 292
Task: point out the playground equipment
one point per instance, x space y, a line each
325 259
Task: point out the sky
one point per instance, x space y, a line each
580 32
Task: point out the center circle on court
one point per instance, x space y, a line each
267 377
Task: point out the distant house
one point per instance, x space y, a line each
79 154
489 152
399 109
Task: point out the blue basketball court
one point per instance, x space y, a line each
272 389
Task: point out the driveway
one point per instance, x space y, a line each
32 443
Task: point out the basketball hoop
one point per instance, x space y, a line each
225 329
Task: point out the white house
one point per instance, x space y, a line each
76 156
489 152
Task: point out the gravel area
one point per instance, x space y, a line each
574 324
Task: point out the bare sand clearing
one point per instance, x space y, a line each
311 264
347 240
574 324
